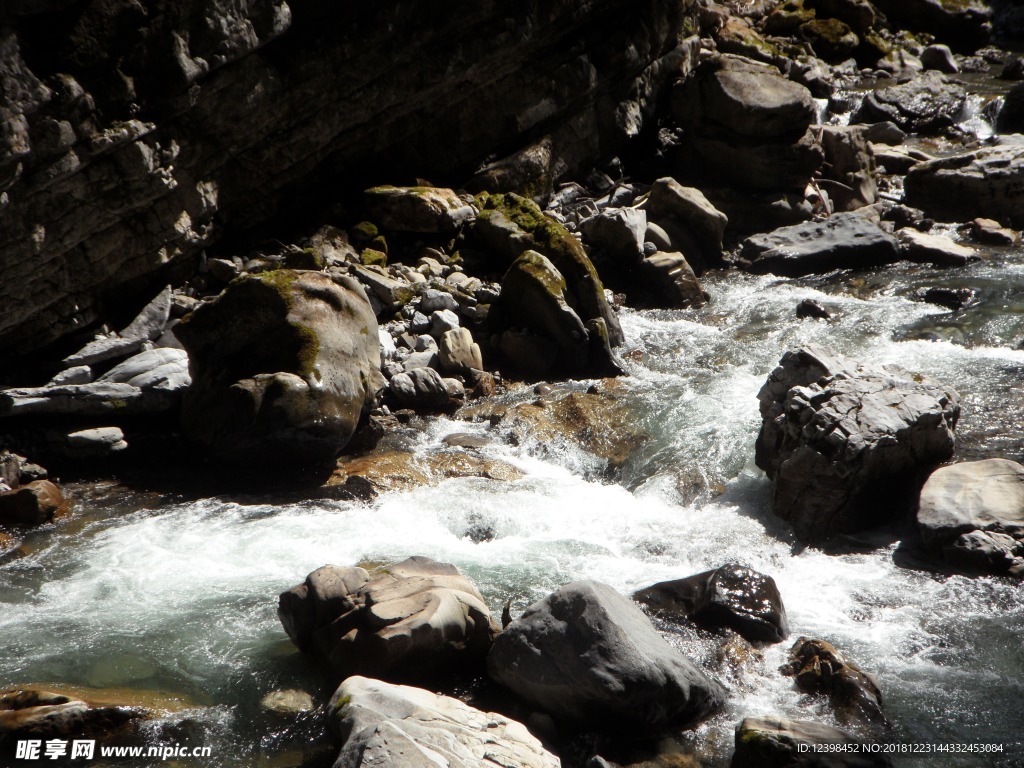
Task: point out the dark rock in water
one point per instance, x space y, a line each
408 620
989 232
769 743
964 24
985 182
939 58
731 596
971 515
929 104
688 207
397 726
950 298
34 503
850 171
819 668
249 110
588 656
672 281
1013 69
844 443
886 132
1011 114
617 234
811 308
842 241
283 366
31 713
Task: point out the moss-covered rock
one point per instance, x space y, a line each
787 18
283 364
424 210
831 39
371 256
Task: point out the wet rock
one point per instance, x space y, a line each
382 471
731 596
417 209
406 621
811 308
985 182
420 389
34 503
44 714
771 743
283 365
1013 69
939 58
288 703
819 668
938 250
971 515
950 298
844 443
929 104
601 423
988 232
672 281
397 725
842 241
587 655
886 132
1011 114
689 207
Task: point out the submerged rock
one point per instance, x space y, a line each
409 620
403 727
34 503
971 515
32 712
819 668
588 656
845 443
928 104
842 241
283 366
731 596
771 743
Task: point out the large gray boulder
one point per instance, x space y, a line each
845 443
401 622
417 209
971 515
588 656
927 104
283 365
842 241
732 596
986 182
397 726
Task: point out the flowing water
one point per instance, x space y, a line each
153 594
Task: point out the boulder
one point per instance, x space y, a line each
148 324
950 298
671 281
511 225
407 621
988 232
100 398
427 210
971 515
859 15
288 704
831 39
420 388
842 241
283 366
458 352
772 743
162 368
731 596
939 58
985 182
845 443
34 503
396 725
1011 115
811 308
819 668
45 714
849 175
928 104
618 234
588 656
95 443
937 250
690 208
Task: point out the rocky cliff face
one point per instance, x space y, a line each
133 135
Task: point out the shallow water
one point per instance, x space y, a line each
181 597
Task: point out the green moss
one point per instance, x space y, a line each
379 243
364 232
371 256
341 703
281 281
